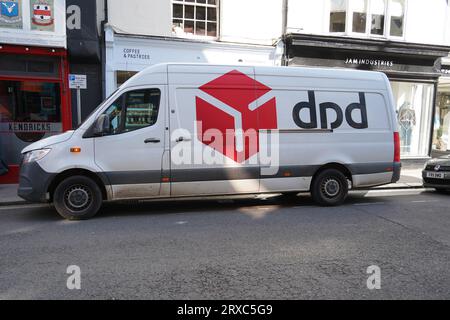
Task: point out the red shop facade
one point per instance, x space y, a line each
34 100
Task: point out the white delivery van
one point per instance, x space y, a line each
197 130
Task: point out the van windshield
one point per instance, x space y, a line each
99 106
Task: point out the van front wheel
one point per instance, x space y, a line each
329 188
77 198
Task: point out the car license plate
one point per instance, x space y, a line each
436 175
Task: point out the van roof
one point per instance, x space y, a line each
313 72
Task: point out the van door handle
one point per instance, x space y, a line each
152 140
182 139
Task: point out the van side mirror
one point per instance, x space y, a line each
102 125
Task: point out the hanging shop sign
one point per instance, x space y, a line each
11 14
42 15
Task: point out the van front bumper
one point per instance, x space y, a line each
34 182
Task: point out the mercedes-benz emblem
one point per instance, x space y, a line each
437 167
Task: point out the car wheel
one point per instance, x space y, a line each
77 198
329 187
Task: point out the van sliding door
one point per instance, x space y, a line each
214 130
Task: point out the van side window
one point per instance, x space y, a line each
141 108
114 112
134 110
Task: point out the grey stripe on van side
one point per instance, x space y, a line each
235 173
369 168
134 177
210 174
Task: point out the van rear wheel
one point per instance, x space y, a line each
329 188
77 198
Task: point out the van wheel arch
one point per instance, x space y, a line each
76 172
333 165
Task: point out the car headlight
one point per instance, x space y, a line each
35 155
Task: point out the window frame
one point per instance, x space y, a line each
367 34
339 33
124 109
183 3
388 22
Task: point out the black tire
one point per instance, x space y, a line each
77 198
441 190
329 188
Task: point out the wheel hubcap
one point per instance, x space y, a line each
331 187
77 197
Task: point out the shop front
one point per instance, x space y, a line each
413 71
441 133
33 100
128 54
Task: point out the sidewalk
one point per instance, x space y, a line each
8 195
410 178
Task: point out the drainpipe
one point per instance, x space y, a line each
284 17
103 47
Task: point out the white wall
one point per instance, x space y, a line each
306 16
251 21
141 17
241 21
427 21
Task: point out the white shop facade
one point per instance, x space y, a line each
125 55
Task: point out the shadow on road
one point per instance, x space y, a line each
185 206
161 207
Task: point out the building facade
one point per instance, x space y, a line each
34 96
405 39
84 46
441 132
213 31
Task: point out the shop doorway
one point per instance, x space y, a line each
34 102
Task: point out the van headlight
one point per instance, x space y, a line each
35 155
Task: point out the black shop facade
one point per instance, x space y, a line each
413 71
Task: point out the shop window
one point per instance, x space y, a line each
29 111
27 65
134 110
195 18
338 13
441 134
123 76
414 105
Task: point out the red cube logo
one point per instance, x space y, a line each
233 110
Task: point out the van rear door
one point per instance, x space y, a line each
212 149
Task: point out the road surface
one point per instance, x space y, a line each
275 248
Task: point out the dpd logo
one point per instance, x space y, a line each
238 107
